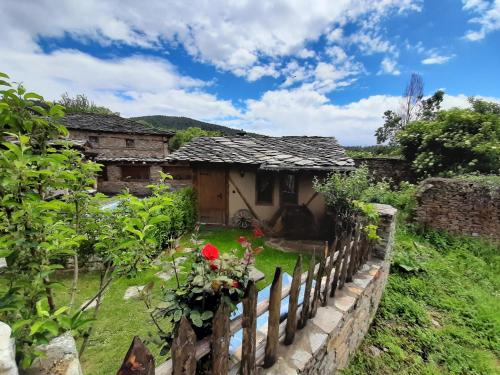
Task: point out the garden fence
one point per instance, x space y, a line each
335 266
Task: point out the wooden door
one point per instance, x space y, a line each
212 195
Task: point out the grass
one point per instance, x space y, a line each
440 311
119 321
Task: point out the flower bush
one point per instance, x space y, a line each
214 277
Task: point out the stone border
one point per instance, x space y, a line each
325 345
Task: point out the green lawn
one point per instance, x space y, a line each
441 318
120 320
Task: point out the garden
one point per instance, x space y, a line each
107 269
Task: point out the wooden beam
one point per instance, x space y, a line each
243 198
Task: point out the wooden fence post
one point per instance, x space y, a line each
353 258
273 322
293 301
345 260
220 340
338 264
304 315
138 360
184 350
249 324
317 288
329 268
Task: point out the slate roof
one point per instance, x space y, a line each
268 153
108 123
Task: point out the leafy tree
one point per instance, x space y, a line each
413 107
457 141
183 136
81 104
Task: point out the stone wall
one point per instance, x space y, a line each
397 170
325 345
458 206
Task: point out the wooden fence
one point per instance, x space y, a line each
336 266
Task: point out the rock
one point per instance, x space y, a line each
133 292
60 357
435 323
3 263
7 351
374 351
165 275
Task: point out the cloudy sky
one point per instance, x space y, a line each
277 67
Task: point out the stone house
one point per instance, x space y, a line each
132 153
269 179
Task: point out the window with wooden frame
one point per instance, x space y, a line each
93 139
135 172
289 191
179 172
264 188
129 143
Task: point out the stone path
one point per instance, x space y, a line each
91 306
256 275
133 292
296 246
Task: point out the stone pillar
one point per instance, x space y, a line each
7 351
386 230
61 358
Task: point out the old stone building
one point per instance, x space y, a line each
132 153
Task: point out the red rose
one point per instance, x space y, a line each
242 240
210 252
236 284
257 232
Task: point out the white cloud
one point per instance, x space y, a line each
488 17
233 36
437 59
389 66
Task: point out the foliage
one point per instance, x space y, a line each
184 136
38 230
457 141
182 123
343 194
81 104
214 278
413 107
439 313
372 151
401 197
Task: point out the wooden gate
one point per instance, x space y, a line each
211 185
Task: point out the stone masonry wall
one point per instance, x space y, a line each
325 345
461 207
397 170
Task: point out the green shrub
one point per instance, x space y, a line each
403 197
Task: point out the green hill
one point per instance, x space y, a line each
181 123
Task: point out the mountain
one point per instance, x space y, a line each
181 123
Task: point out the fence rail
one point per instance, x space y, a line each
336 266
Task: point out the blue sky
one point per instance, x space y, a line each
279 67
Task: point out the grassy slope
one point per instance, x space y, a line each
181 123
443 319
120 320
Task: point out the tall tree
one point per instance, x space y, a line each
81 104
413 107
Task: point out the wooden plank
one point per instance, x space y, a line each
138 360
338 265
220 340
317 288
291 320
307 294
184 349
345 260
249 323
274 320
354 253
329 268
